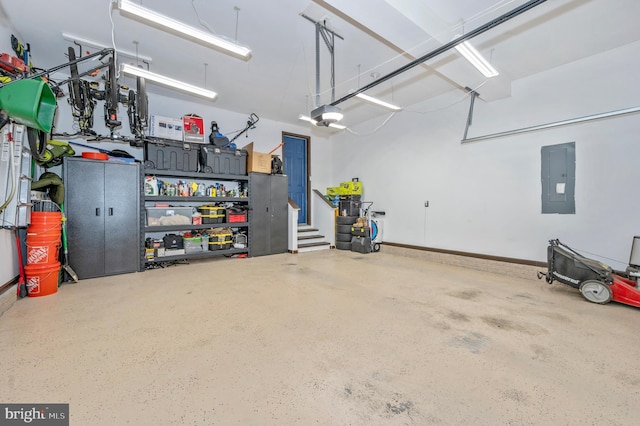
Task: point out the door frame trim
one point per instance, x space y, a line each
308 149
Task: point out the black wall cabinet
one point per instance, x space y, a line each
269 202
102 205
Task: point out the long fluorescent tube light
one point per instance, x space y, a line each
166 81
90 43
477 60
178 27
378 102
334 125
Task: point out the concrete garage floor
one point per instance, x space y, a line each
330 338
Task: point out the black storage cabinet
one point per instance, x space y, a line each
102 206
269 214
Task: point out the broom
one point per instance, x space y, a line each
22 282
65 249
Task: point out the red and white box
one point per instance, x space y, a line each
193 128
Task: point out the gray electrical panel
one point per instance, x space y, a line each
559 178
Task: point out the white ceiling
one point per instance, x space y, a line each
279 81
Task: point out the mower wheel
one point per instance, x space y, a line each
596 291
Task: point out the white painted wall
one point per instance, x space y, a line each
485 197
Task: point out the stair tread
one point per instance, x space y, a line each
309 237
307 229
323 243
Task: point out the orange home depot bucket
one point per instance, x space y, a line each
42 280
45 224
42 251
43 238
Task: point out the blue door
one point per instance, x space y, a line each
294 153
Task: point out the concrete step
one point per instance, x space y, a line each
306 229
313 239
309 237
306 247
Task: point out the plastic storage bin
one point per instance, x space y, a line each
164 154
363 231
223 161
169 216
236 215
212 214
220 245
221 238
198 244
351 188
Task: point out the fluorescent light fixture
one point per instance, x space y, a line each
90 43
166 81
326 114
378 102
472 55
171 25
315 123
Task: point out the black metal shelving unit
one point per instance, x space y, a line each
197 200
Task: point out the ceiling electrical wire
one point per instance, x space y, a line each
113 40
462 99
386 120
203 23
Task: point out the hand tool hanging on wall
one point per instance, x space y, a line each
84 94
138 109
21 50
80 99
112 96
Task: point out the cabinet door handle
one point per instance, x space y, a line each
97 211
110 211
